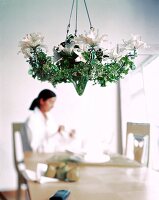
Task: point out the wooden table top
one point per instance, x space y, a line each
99 183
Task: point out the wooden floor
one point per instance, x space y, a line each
11 195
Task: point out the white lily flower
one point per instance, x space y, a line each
123 51
34 39
91 38
135 42
30 41
113 54
80 57
68 48
56 56
26 52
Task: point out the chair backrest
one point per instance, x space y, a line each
20 143
21 128
140 141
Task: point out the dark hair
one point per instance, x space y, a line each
44 94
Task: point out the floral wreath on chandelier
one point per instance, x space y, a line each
81 58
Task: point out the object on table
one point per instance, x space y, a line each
60 195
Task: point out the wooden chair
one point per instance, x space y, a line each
140 133
20 144
2 197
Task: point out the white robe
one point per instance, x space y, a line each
41 131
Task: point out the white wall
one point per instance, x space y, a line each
94 112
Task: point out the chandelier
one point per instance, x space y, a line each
80 58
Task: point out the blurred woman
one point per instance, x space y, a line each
40 125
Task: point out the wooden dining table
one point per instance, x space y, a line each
109 181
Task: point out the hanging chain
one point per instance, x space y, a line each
76 18
68 26
88 15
